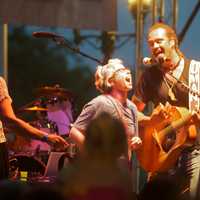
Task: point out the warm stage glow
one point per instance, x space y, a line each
144 2
132 5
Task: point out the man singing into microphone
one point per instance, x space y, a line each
163 81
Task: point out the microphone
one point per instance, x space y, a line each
41 34
147 61
150 61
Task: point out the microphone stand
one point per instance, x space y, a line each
60 40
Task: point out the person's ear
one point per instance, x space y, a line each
110 82
172 43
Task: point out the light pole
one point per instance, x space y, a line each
4 50
138 9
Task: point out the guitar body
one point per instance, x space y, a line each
164 138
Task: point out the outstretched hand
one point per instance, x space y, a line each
57 140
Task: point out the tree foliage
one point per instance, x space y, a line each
35 63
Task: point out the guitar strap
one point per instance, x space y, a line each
121 116
194 84
114 103
194 105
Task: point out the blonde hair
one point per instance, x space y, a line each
105 73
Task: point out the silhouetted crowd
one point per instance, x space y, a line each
100 172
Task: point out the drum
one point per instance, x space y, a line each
25 163
19 144
37 145
15 141
60 112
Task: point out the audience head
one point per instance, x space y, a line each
105 137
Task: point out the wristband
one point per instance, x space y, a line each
45 138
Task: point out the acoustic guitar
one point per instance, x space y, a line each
164 136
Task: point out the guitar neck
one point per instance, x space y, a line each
174 126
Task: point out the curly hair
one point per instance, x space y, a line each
105 73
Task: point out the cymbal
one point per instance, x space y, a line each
35 108
55 91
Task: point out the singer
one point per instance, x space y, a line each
157 85
114 81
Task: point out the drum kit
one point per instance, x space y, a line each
53 109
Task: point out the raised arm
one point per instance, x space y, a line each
20 126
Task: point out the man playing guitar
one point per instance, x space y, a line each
168 79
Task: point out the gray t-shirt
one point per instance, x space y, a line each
106 103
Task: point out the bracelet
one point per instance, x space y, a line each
45 138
